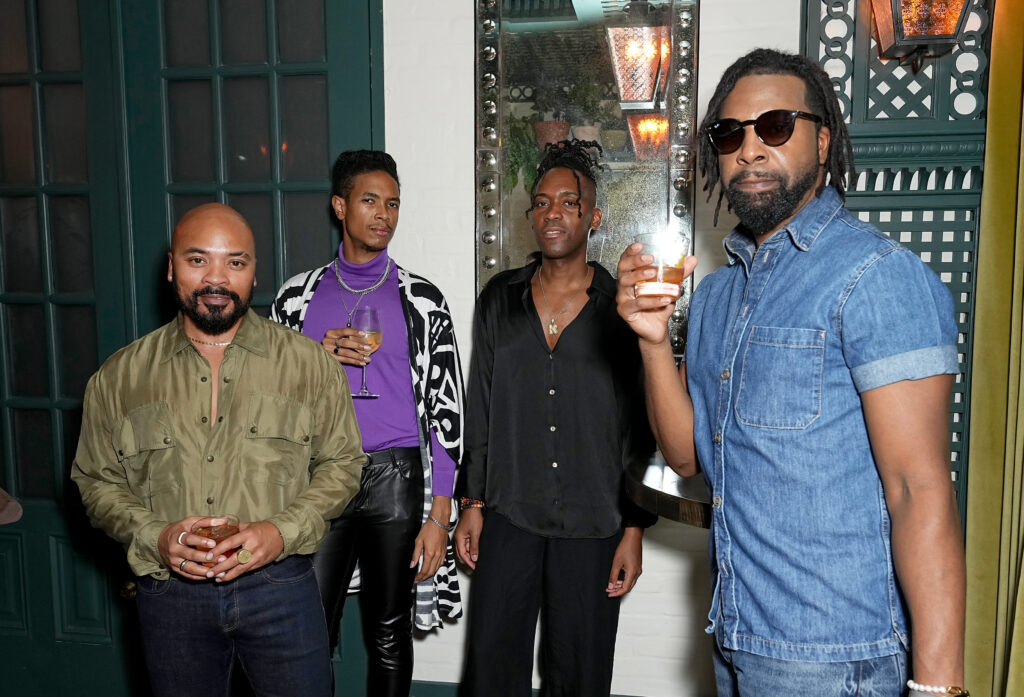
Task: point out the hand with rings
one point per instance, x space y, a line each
347 346
176 554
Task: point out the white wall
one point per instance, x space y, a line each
428 86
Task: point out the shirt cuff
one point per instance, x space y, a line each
143 555
911 365
443 470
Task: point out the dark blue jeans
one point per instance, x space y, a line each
270 619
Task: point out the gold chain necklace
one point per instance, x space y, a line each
207 343
552 324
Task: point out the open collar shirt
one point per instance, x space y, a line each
550 431
284 446
782 342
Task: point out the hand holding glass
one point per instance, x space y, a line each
367 320
218 533
669 252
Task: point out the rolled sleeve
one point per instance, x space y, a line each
898 323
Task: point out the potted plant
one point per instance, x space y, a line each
550 104
588 108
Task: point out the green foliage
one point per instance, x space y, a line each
550 102
588 104
520 153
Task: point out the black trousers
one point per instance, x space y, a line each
378 528
519 574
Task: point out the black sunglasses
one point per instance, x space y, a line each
773 127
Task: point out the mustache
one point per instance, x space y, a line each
199 292
744 176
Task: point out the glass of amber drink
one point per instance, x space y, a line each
218 533
367 320
669 251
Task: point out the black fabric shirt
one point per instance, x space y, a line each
549 433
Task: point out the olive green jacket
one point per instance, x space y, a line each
284 447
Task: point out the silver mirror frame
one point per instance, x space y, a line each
680 164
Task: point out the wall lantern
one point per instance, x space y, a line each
640 47
917 28
649 133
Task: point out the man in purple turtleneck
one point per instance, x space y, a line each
412 430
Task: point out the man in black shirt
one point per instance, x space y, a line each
555 411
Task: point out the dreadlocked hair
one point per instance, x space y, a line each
820 95
351 163
577 156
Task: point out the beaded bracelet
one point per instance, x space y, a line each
955 690
465 503
438 523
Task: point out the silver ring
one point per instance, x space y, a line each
181 566
181 535
336 345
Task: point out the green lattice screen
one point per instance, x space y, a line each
918 142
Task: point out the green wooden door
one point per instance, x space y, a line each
115 117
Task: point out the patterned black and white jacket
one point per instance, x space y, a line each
439 394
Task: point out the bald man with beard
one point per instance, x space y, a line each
221 412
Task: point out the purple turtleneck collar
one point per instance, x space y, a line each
370 271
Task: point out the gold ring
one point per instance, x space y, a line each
244 556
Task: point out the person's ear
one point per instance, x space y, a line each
338 204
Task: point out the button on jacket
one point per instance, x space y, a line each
549 432
782 341
284 446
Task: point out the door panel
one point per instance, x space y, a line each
116 116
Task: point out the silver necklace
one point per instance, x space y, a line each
207 343
552 324
342 286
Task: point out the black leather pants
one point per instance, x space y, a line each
378 528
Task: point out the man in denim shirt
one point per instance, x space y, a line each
815 397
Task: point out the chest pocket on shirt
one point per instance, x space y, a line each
146 447
780 380
278 436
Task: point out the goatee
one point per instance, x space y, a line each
217 321
762 211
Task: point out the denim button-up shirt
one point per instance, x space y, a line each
782 342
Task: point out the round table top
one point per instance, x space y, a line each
655 486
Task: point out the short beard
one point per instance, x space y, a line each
217 322
761 212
